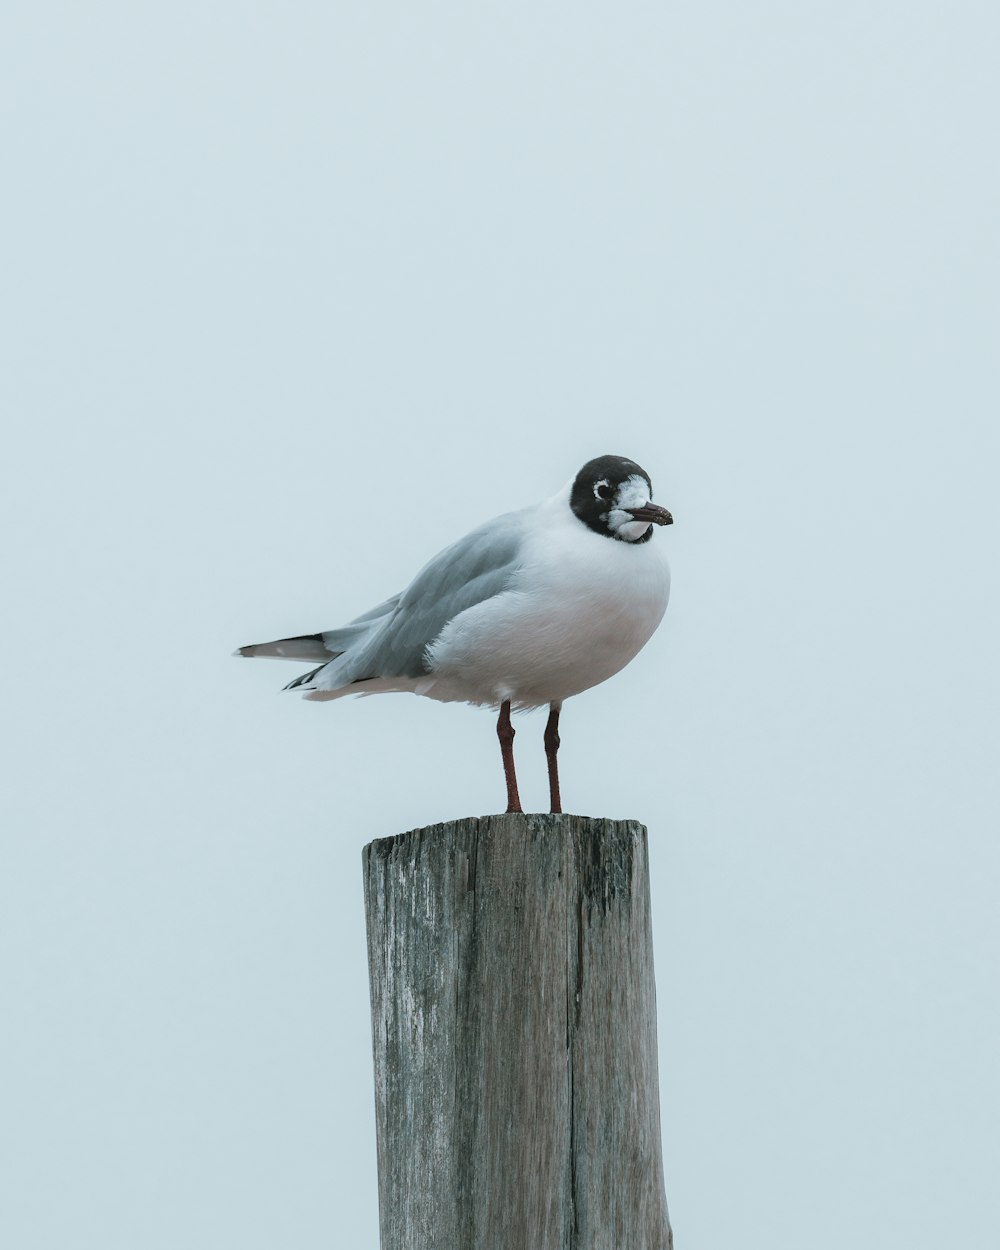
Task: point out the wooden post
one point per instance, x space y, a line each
514 1036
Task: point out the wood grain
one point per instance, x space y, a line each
514 1036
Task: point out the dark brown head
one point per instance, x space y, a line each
613 496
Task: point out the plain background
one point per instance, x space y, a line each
293 295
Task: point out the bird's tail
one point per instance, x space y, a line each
321 649
304 647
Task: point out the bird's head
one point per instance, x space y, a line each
614 497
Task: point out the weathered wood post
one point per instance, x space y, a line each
514 1036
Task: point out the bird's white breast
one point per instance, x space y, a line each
580 608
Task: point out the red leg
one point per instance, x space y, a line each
505 732
551 751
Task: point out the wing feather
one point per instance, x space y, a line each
477 567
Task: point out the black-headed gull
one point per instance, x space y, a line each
527 610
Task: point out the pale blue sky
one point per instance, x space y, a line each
295 294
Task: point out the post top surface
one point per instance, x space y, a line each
530 823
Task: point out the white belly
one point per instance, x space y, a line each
582 606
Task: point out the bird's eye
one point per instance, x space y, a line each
603 491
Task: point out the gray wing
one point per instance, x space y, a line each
477 567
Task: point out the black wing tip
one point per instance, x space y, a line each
256 648
303 678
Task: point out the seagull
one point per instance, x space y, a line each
527 610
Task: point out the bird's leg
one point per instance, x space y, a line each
505 732
551 750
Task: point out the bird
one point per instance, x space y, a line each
527 610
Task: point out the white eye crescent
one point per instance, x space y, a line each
603 491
